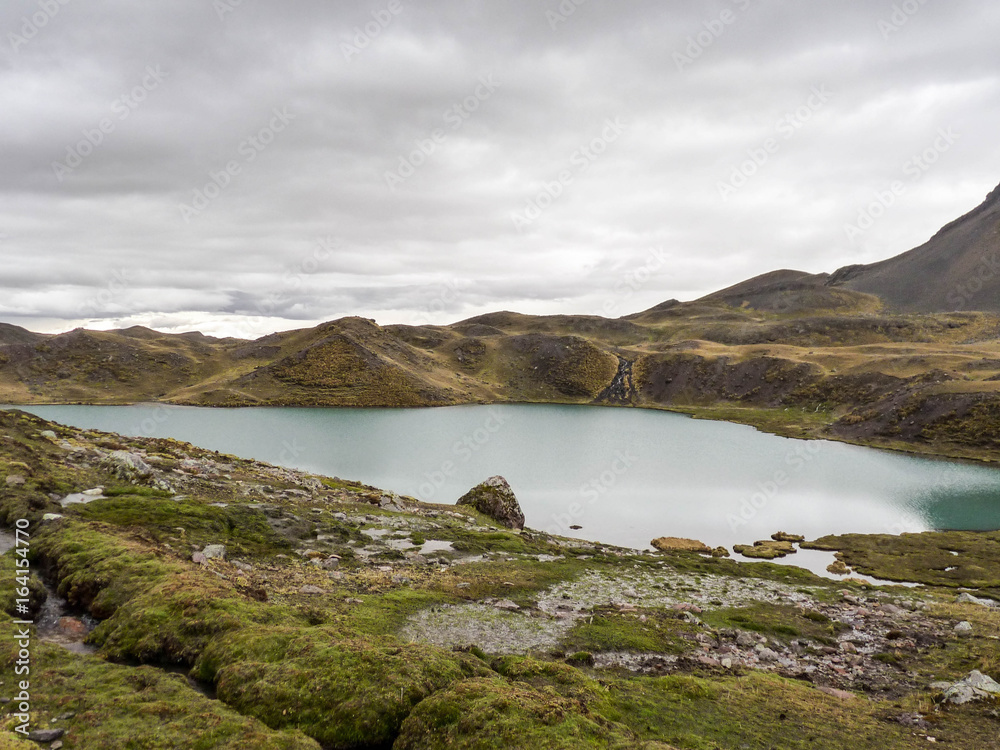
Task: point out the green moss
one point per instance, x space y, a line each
782 622
344 693
646 630
490 715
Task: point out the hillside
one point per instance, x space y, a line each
957 269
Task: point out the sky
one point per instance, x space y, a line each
240 167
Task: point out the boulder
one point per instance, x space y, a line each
129 467
963 629
496 499
677 544
970 599
976 686
215 552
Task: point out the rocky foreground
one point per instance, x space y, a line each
186 599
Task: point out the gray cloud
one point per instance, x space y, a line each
183 104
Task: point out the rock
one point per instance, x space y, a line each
720 552
52 516
496 499
199 558
676 544
745 640
72 627
963 629
976 686
727 663
95 492
331 563
46 735
49 434
215 552
970 599
245 567
128 467
506 604
311 590
781 536
15 480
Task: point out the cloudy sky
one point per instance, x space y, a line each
244 166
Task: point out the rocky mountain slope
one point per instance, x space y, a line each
185 599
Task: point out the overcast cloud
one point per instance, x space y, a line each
245 167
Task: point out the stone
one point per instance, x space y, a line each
495 498
970 599
46 735
199 558
49 434
72 627
311 590
975 686
15 480
745 640
52 516
215 552
963 629
331 563
676 544
128 467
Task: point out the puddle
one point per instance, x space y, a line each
434 545
816 560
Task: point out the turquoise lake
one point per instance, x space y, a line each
624 476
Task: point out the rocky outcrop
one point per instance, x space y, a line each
496 499
675 544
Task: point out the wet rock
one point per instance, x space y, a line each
963 629
676 544
215 552
72 627
496 499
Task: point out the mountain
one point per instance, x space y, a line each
957 269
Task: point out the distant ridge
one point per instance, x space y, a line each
957 269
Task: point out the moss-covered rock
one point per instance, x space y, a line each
495 498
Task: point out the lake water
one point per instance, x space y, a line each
624 475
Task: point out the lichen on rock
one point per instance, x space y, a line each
495 498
